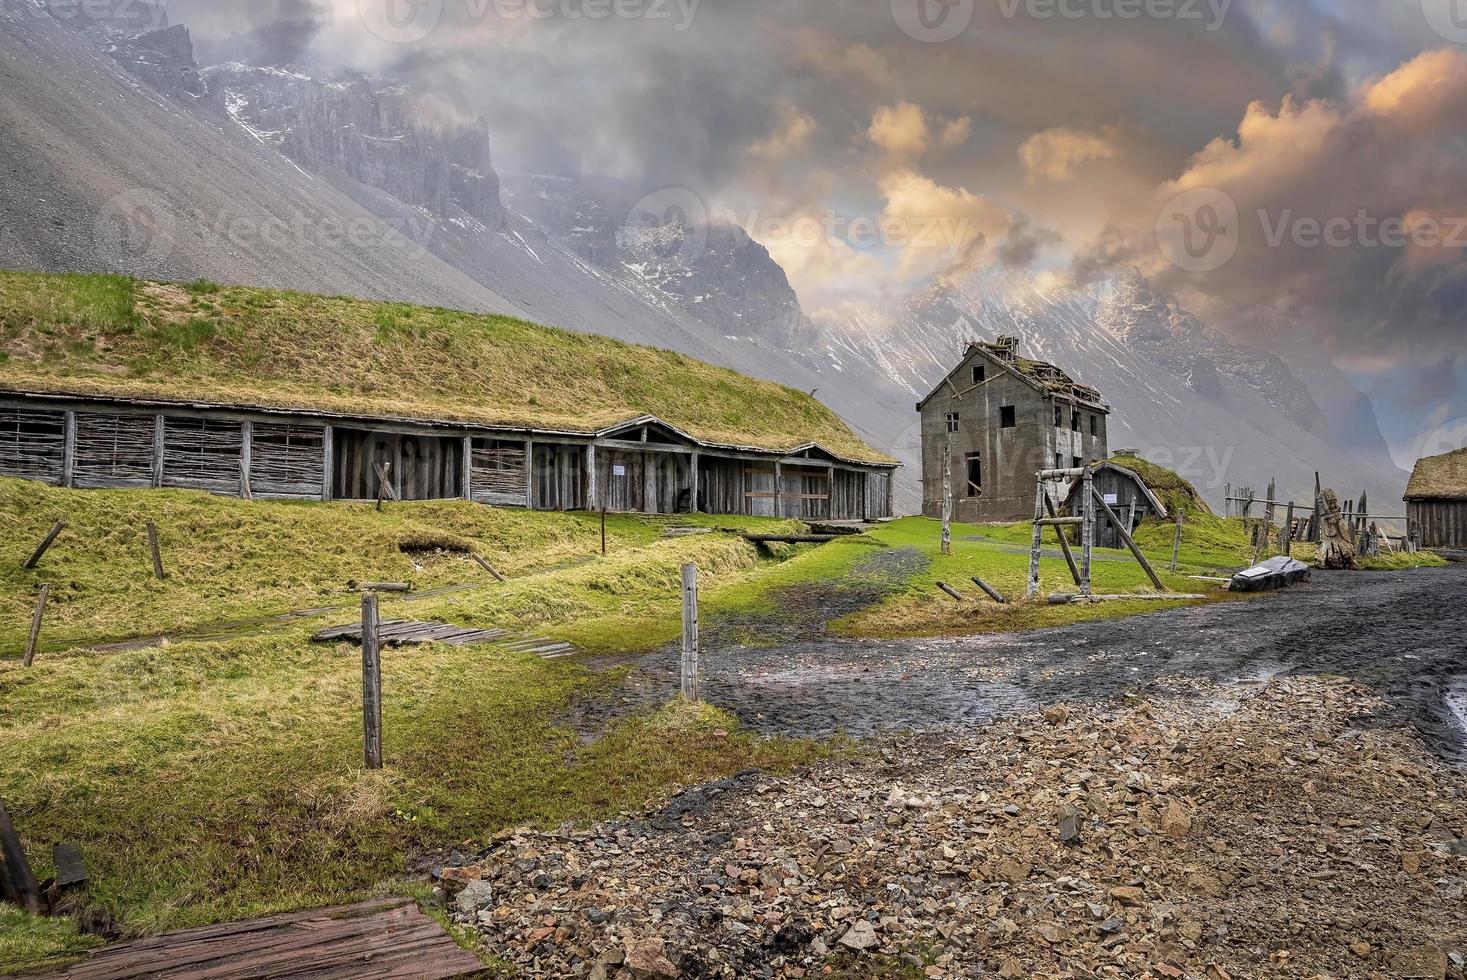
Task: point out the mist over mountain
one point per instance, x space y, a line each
189 166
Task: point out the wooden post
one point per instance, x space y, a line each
778 489
603 527
1177 543
696 480
68 452
649 483
468 467
1126 537
1269 509
1131 516
30 645
157 554
947 497
20 882
1064 541
246 449
1289 530
44 546
593 490
1316 525
328 462
529 475
690 633
1038 543
993 593
160 426
1087 532
371 684
1227 500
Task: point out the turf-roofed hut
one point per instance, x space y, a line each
108 382
1436 500
1136 490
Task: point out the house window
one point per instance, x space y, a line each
952 422
1074 421
975 475
978 374
1077 462
1008 417
1059 461
1059 417
1095 425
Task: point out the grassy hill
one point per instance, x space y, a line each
241 345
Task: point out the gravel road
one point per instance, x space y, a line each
1402 633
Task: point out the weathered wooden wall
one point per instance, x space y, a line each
32 443
1442 523
1010 457
258 454
1120 491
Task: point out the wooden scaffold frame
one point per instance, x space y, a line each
1045 515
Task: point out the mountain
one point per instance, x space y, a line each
269 176
1220 414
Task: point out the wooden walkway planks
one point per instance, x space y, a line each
405 632
389 939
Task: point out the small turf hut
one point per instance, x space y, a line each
1436 500
1137 490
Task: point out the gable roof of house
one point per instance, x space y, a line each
1441 477
1042 376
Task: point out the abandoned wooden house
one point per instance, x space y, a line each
1436 501
998 419
1126 493
642 465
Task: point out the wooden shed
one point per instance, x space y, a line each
1436 501
1126 493
643 465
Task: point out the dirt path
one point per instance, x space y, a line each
1402 633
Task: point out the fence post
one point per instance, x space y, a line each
1087 533
1177 544
30 646
690 633
371 684
44 546
157 554
1289 530
947 497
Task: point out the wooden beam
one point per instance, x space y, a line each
1064 542
1037 545
160 424
529 474
328 462
20 881
467 467
993 593
156 552
696 481
778 489
44 546
1126 537
35 635
593 495
691 642
246 458
1087 531
68 451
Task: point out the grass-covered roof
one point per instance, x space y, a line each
1175 491
236 345
1439 477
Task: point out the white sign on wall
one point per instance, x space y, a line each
1112 499
618 470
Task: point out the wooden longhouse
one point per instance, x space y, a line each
1436 501
641 465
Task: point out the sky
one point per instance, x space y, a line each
1295 171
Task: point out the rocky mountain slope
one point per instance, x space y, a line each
141 161
1182 394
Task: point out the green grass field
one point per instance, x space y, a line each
215 779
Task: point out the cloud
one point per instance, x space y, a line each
1055 154
900 131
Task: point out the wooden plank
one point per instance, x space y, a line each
68 451
71 869
35 634
44 546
